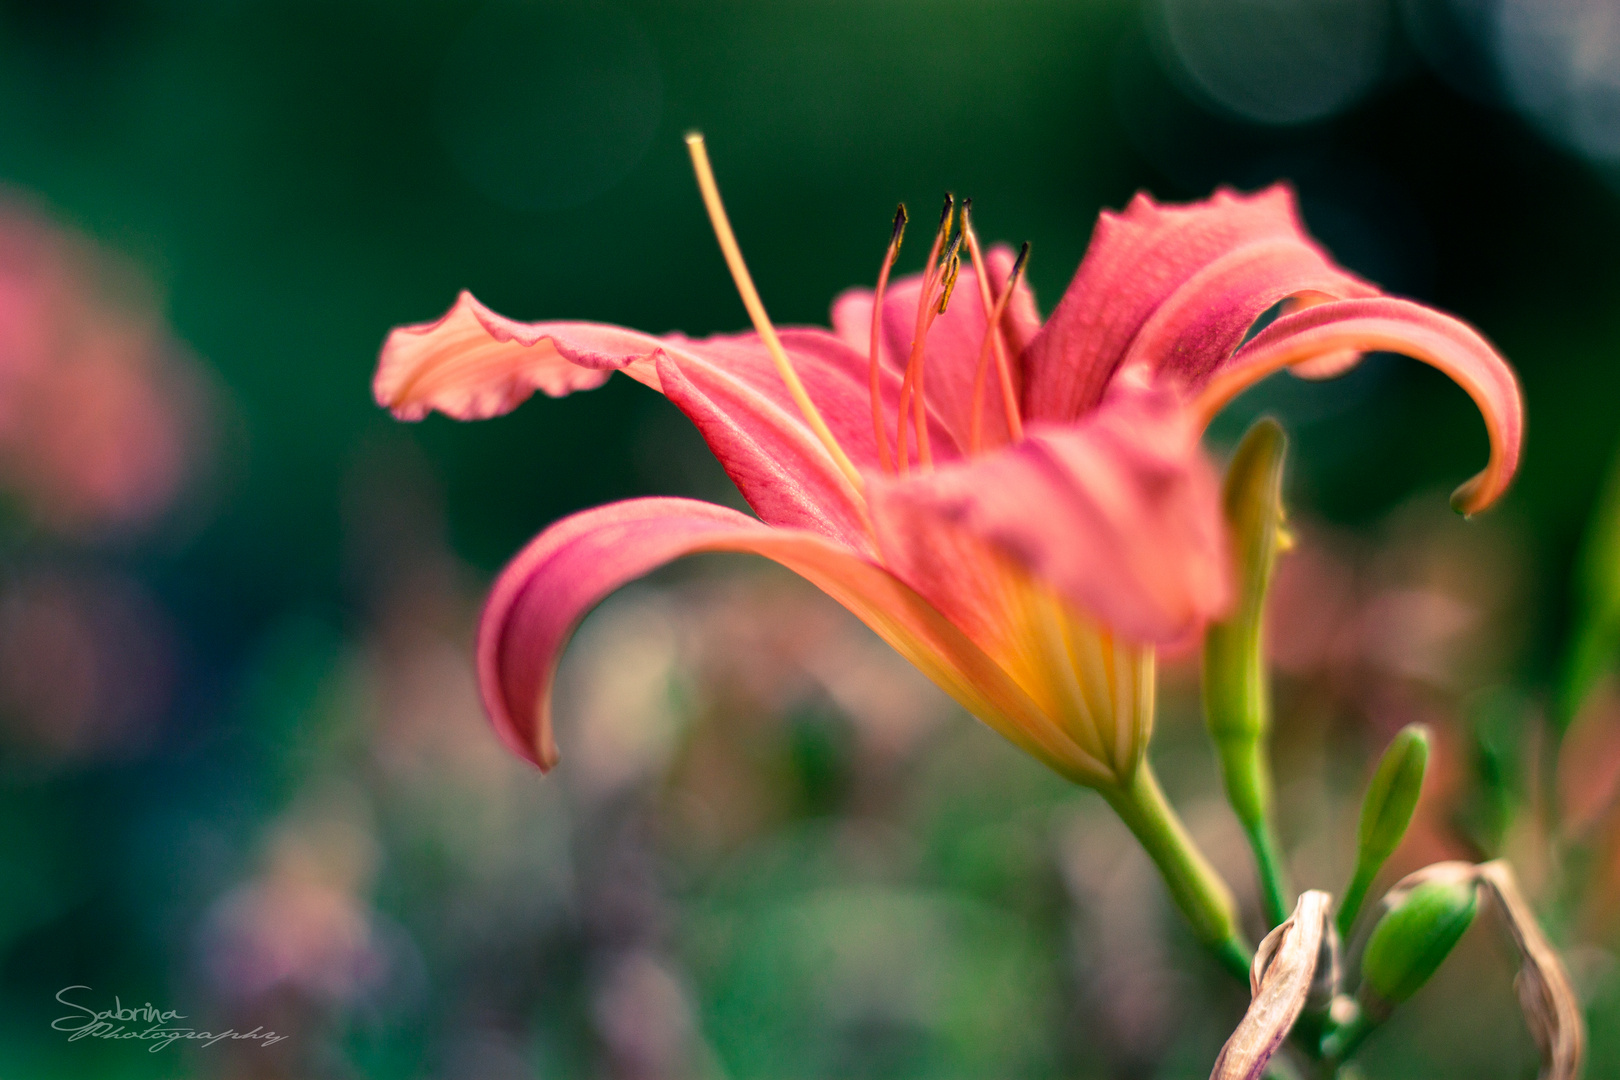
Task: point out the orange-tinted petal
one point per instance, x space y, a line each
1068 557
542 594
1119 513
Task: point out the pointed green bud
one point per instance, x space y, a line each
1386 811
1237 703
1412 939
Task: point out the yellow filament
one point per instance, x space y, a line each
756 309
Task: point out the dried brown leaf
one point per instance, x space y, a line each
1551 1009
1280 981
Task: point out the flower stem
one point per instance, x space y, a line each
1273 875
1197 889
1354 894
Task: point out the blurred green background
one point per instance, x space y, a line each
795 873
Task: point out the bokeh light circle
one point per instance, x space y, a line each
1278 61
1561 59
544 106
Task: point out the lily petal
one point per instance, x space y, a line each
542 595
473 364
1176 287
951 353
1391 325
1128 527
730 389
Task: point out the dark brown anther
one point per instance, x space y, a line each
952 265
899 232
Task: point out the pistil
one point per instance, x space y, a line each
756 310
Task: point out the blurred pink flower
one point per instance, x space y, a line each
1058 520
87 662
1589 764
99 412
301 924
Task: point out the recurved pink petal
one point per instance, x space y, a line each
473 364
1119 513
542 595
1175 287
951 352
1385 324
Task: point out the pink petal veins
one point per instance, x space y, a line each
1175 287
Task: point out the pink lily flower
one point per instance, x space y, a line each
1021 508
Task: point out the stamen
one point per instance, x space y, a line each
912 381
879 428
993 344
950 266
756 309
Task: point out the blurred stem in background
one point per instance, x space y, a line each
1595 641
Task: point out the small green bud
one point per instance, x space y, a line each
1392 797
1236 702
1386 811
1409 943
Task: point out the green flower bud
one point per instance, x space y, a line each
1386 811
1409 943
1237 704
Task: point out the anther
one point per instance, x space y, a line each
953 264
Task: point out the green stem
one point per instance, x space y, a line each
1273 875
1194 885
1345 1039
1354 895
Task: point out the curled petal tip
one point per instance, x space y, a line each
1472 496
472 363
1388 324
